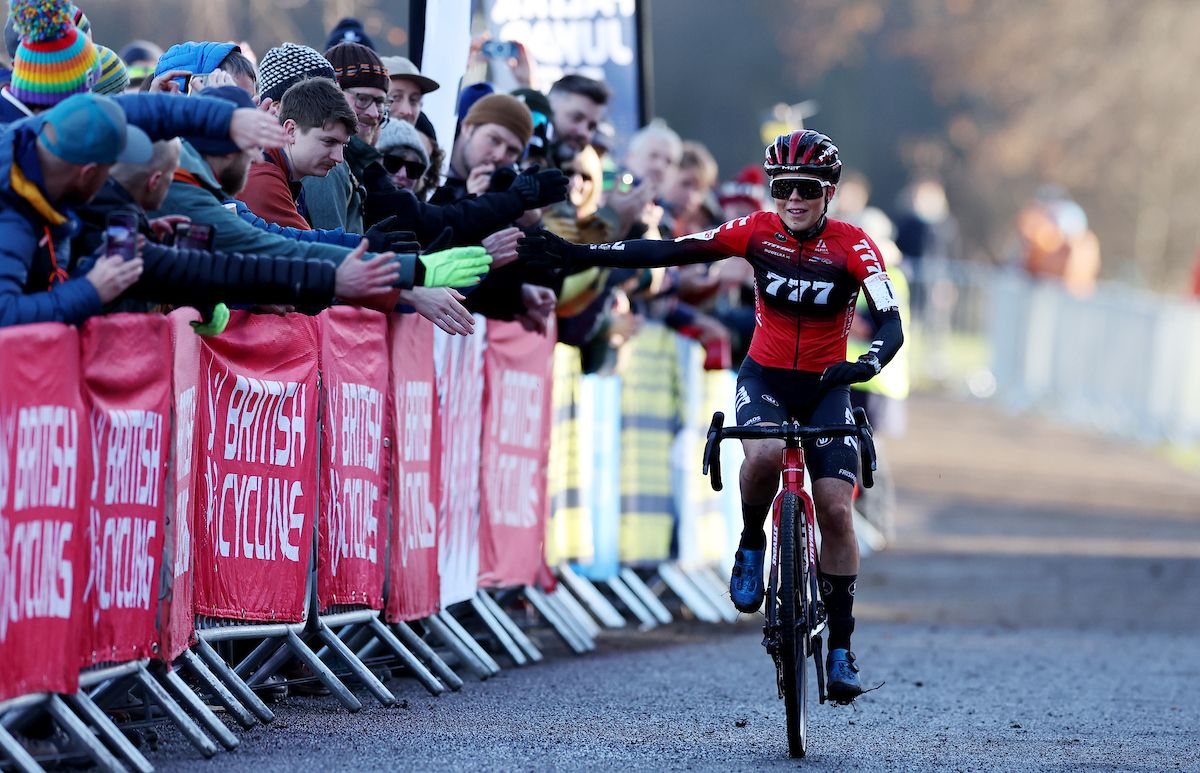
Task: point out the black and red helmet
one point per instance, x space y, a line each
804 151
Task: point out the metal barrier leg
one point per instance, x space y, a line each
647 596
459 647
253 662
499 631
265 670
599 606
646 619
17 755
510 625
359 669
487 660
409 638
691 597
423 674
80 734
86 708
551 616
327 677
717 590
236 685
183 694
222 693
581 633
578 613
175 712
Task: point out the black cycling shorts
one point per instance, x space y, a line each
775 395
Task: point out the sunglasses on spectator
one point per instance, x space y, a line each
414 169
808 189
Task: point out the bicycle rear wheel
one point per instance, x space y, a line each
793 624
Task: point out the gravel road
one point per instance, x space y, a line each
1038 611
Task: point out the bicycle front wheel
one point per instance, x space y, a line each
793 624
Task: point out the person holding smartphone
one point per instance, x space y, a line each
188 272
50 165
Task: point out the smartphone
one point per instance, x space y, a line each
499 49
121 234
194 236
196 83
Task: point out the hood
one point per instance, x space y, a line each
192 162
196 58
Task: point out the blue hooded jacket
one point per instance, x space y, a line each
32 242
196 58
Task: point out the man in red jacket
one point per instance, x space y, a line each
318 123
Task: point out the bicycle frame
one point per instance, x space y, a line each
810 619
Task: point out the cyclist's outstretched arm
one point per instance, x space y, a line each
720 242
545 247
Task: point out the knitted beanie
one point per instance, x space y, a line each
356 65
401 135
284 66
12 38
504 110
113 77
54 58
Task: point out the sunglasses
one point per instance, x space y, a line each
808 189
414 169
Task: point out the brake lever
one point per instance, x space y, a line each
712 451
866 448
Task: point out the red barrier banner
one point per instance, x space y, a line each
44 471
413 580
459 361
178 626
259 456
514 504
126 386
354 379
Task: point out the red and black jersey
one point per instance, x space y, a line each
805 291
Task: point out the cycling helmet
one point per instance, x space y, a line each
805 151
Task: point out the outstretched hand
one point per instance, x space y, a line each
544 248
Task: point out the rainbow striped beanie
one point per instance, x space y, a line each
55 59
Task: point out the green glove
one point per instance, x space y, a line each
455 267
216 325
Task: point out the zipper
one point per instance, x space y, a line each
799 263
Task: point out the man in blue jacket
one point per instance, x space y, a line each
48 165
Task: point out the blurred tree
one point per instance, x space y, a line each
1096 95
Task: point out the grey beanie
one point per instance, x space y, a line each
284 66
397 135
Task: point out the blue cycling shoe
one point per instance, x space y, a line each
843 684
746 582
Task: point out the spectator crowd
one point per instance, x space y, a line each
206 176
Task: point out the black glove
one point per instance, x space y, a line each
864 368
381 238
540 187
545 249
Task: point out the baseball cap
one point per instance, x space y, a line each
399 67
91 129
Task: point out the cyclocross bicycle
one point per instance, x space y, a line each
795 613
